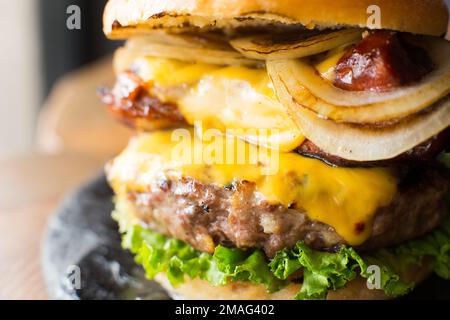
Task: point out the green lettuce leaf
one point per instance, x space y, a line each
435 245
157 253
445 159
322 271
390 266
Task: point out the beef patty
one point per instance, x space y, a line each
205 215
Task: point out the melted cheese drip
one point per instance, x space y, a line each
220 97
344 198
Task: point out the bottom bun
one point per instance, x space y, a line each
197 289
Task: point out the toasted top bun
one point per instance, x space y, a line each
124 18
196 289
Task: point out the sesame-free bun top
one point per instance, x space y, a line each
124 18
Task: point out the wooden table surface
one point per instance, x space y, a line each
31 187
75 137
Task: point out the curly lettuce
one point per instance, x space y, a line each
157 253
322 271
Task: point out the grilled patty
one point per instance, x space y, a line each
205 215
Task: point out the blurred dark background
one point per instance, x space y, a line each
64 50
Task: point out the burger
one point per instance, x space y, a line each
284 149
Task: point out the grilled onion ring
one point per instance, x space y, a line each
190 49
365 143
273 47
319 95
186 40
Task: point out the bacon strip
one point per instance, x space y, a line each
130 102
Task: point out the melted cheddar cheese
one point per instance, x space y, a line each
344 198
220 97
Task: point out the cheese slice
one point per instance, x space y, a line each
219 97
344 198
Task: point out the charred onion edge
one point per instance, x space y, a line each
308 46
211 55
360 143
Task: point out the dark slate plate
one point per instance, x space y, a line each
82 237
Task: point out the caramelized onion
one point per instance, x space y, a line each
272 47
365 143
313 92
188 48
187 40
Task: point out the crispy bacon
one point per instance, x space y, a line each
130 102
